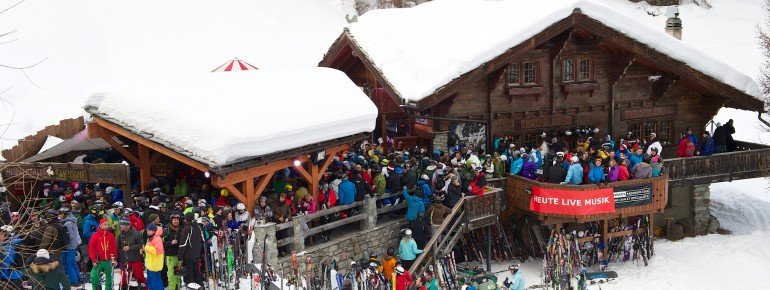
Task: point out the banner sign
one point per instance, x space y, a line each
573 202
112 173
626 196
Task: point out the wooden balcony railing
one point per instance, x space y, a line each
519 191
753 161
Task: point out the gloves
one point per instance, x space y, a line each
507 283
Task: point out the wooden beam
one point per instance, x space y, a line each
131 157
237 193
263 182
150 144
248 192
253 172
155 158
145 170
303 172
659 87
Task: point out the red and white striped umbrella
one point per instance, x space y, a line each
235 65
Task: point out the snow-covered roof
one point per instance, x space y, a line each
420 49
219 119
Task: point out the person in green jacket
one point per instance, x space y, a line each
379 183
431 284
46 274
181 189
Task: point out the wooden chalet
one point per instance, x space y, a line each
578 67
576 72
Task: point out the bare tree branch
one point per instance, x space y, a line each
11 7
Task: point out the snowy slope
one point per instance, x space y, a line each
88 43
220 118
419 52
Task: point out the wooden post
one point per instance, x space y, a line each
144 167
604 237
248 192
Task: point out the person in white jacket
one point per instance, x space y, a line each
654 143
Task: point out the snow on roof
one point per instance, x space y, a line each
421 49
220 119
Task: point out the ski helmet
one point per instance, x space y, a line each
240 207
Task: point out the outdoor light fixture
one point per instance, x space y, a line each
207 174
297 163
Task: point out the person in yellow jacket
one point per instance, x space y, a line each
153 257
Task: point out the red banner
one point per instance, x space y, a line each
574 202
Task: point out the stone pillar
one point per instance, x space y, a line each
701 213
441 141
260 230
299 233
369 210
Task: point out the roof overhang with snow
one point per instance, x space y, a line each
416 55
228 122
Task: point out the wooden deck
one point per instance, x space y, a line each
752 161
519 191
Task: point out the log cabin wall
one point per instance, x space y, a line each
563 97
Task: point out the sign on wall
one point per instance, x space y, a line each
627 196
573 202
112 173
543 122
651 112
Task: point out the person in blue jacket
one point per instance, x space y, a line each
407 250
347 191
414 207
516 163
424 186
692 137
574 173
596 173
707 147
91 221
517 281
10 260
636 157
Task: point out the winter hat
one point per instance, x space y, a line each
425 177
101 221
43 253
109 189
408 232
398 170
400 270
152 227
125 221
153 217
575 159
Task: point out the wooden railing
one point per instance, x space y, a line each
752 162
293 234
518 194
470 210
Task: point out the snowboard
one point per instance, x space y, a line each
601 275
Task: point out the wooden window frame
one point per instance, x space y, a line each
580 72
570 73
518 75
645 127
535 72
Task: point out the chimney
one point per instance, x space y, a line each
674 23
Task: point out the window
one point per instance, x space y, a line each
569 70
514 74
662 130
530 72
530 140
584 70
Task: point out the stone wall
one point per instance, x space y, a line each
441 141
346 247
689 206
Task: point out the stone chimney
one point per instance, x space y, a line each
674 23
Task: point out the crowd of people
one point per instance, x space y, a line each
164 228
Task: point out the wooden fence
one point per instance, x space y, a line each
753 161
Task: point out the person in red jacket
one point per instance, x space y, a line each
623 173
102 248
403 278
136 222
685 148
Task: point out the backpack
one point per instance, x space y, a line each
62 237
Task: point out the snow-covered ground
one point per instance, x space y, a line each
735 261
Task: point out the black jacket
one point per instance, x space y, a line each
191 240
394 182
133 239
170 234
720 136
453 195
409 180
556 174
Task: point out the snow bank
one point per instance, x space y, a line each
220 118
423 48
